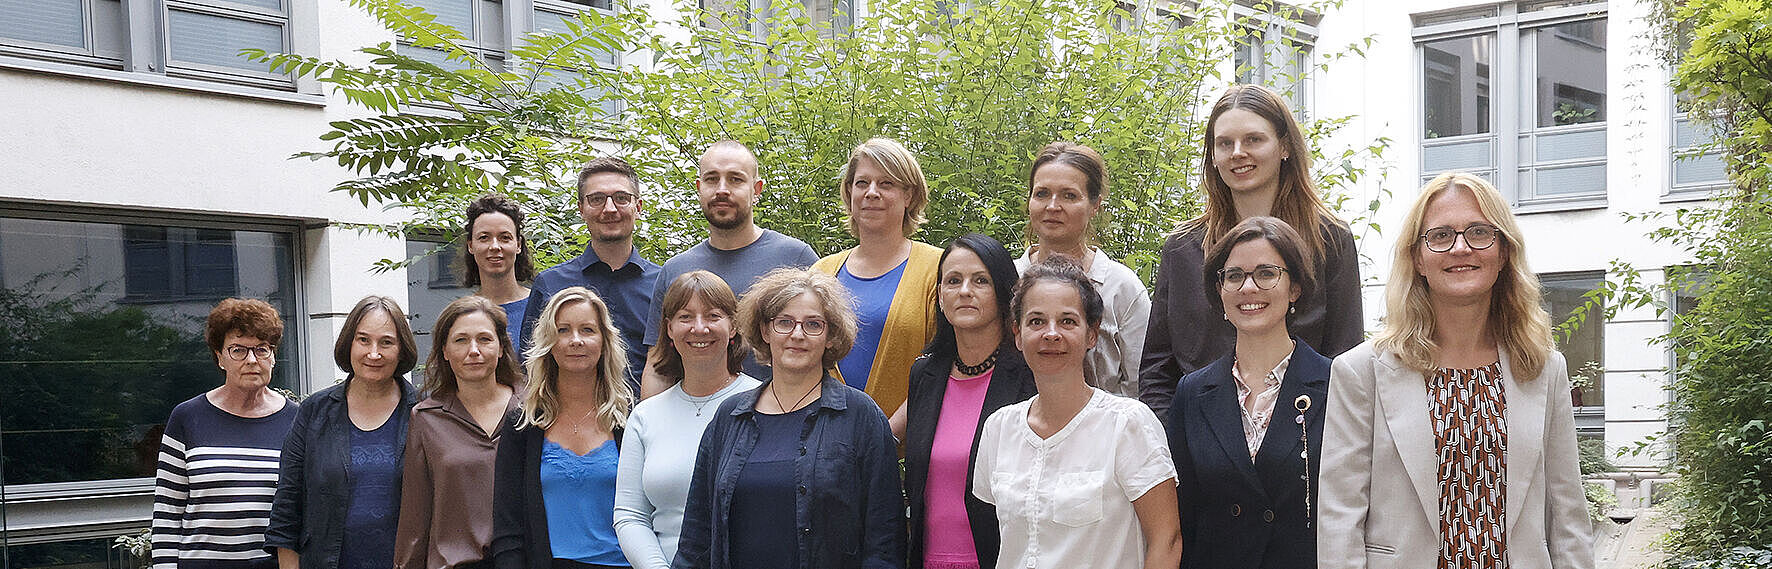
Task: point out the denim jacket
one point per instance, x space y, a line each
849 512
314 479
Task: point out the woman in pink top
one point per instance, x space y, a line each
968 371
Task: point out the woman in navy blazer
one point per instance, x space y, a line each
1245 430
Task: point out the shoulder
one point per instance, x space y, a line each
830 263
922 253
1116 275
656 404
1364 360
1009 415
1200 377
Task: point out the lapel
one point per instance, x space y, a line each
1218 402
1402 393
1524 411
1307 375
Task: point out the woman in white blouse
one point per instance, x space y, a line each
1080 478
703 356
1067 186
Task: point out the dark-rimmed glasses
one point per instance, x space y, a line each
784 325
597 200
1478 236
238 352
1266 277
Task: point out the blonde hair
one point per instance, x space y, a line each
541 404
901 166
1297 203
771 294
1520 324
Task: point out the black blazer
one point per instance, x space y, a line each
1234 512
1011 383
1185 333
519 519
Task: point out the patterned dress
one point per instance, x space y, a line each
1467 407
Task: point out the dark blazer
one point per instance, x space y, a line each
1011 383
314 478
1185 333
1234 512
519 518
849 513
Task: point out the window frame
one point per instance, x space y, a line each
1512 126
1297 33
1590 419
146 53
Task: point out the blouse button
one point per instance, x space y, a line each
1267 516
802 489
1236 510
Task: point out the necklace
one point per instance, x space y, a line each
797 402
710 397
976 370
581 420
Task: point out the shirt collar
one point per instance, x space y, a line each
585 261
832 398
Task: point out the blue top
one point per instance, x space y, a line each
216 475
738 267
848 505
514 318
763 500
873 302
578 494
626 289
373 513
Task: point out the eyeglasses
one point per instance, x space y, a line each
597 200
784 325
238 352
1266 277
1478 236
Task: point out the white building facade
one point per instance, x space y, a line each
147 177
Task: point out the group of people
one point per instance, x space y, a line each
746 404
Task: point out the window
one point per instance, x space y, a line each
1517 95
104 334
1696 167
432 283
1585 349
1274 47
192 39
491 25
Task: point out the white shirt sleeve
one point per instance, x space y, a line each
1141 459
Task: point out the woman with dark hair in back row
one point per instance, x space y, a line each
338 489
969 370
497 257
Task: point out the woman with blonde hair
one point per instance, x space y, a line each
1254 161
891 276
1453 426
554 485
471 383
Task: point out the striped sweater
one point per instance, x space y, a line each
213 487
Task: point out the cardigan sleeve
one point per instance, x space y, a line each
508 489
1344 314
287 517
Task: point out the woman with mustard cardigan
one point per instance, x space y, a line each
891 276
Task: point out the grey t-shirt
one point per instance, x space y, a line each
738 267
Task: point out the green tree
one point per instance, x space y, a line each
974 93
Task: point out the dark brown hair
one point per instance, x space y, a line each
341 349
248 316
1085 160
1276 233
1297 202
439 377
714 292
495 204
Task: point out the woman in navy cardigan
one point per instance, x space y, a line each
1246 430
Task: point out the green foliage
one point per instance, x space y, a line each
1741 557
973 93
1593 458
1599 501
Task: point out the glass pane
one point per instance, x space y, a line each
1476 154
1700 169
431 284
458 14
490 22
1570 145
60 22
547 21
104 335
274 5
110 32
1571 181
214 40
1691 134
1247 57
599 4
1571 66
1584 350
1455 85
95 553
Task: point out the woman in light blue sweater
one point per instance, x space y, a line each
702 354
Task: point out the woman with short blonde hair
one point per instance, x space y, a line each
1454 426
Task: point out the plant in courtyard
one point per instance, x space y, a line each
974 93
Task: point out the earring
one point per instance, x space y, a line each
1290 309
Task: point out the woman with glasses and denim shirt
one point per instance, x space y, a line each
1246 430
338 489
218 456
1449 438
801 472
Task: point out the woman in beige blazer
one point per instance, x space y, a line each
1449 440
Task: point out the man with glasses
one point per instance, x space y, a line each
727 185
609 202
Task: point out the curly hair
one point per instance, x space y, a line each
771 294
490 203
247 316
